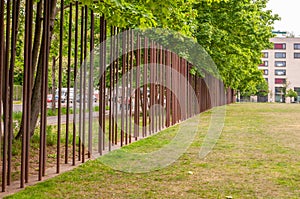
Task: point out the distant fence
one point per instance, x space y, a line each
143 88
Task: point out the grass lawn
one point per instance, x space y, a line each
257 156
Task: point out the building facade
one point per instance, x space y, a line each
281 68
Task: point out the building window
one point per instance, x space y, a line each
278 90
278 94
264 63
297 89
265 54
280 55
280 63
279 46
265 71
297 55
279 81
280 72
296 46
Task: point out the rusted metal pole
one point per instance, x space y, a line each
168 91
111 86
75 83
104 82
1 71
43 91
6 99
138 90
60 71
26 93
91 87
126 85
116 58
145 97
123 102
11 88
68 84
80 145
151 118
130 82
84 99
173 86
101 130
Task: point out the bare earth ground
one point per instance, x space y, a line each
257 156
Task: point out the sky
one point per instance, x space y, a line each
288 10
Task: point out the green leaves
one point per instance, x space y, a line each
234 33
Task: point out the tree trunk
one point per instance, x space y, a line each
36 92
53 84
37 37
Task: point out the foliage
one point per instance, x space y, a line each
291 93
234 33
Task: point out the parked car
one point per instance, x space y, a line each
49 98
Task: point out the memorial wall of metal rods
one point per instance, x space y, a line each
131 105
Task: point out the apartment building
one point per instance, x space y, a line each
281 67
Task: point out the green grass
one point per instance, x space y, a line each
257 156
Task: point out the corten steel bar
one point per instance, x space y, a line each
5 101
155 87
43 89
178 86
116 58
137 91
168 84
68 84
91 89
27 92
112 86
28 124
185 81
131 83
48 41
173 88
163 87
145 101
159 82
151 118
60 71
104 80
188 84
11 85
151 63
111 82
161 92
1 71
75 84
84 99
123 85
126 85
80 145
101 129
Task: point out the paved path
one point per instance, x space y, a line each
52 120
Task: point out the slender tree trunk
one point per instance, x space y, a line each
53 84
37 37
36 92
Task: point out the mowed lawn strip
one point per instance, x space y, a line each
257 156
